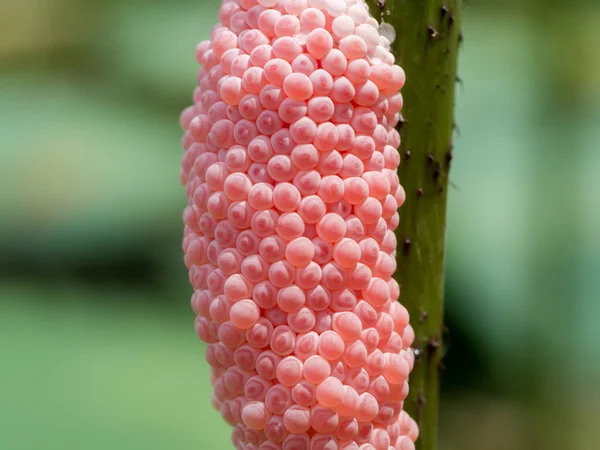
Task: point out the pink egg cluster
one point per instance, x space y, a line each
290 171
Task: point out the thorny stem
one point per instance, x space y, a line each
427 40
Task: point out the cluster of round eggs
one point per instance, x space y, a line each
290 171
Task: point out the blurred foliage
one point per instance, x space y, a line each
96 336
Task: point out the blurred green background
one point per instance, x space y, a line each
97 348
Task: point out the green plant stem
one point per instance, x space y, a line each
426 46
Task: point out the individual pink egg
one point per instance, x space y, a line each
260 196
275 430
266 21
322 321
255 389
253 14
289 371
286 197
331 345
272 248
326 136
255 268
271 96
306 343
369 211
283 340
346 253
244 314
395 369
330 162
237 288
276 70
292 110
291 299
334 276
304 393
320 109
323 420
236 186
237 159
266 364
343 91
282 142
290 226
232 90
305 157
322 82
246 356
319 43
296 442
318 298
342 113
323 250
347 325
259 335
368 408
335 63
281 168
260 149
287 25
302 320
254 80
238 23
304 64
331 189
255 415
278 399
281 274
312 18
264 223
330 392
286 47
348 426
356 190
268 122
316 369
353 47
343 300
312 209
309 276
298 86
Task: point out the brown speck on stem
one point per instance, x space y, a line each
423 316
401 122
417 352
421 404
443 11
433 344
436 173
432 32
407 244
430 158
407 155
456 128
449 155
420 192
